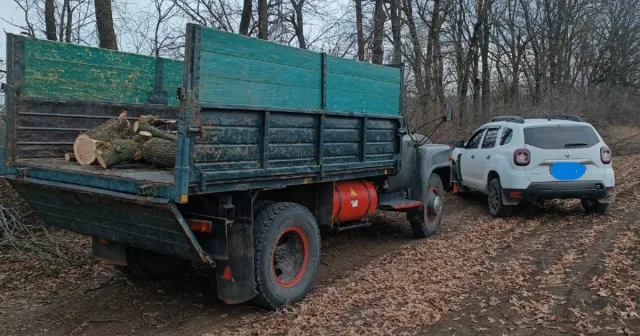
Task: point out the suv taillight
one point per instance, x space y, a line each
521 157
605 155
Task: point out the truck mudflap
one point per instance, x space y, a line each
155 226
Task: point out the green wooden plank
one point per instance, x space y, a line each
223 67
343 66
83 91
173 78
233 92
212 153
71 53
54 71
362 87
291 151
338 101
220 42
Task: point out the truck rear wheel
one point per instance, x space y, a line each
147 265
425 221
287 241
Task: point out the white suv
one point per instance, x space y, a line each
512 159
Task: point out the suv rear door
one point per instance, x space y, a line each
553 143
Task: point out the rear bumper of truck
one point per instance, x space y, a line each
155 225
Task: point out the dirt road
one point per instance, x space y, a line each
551 269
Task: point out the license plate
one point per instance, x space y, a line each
567 171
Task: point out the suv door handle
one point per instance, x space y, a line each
488 157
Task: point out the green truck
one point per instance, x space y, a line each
274 145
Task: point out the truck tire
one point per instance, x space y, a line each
147 265
425 221
287 256
259 205
494 200
593 206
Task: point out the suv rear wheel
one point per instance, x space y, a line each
496 207
591 205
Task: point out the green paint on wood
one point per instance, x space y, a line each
68 71
243 71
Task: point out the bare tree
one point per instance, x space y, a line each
359 29
263 17
378 32
245 20
104 25
50 20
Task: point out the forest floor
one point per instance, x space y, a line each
549 270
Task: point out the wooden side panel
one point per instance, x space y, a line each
237 147
67 71
239 71
360 87
47 128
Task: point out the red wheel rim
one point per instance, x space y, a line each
430 218
289 257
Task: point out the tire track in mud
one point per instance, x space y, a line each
546 278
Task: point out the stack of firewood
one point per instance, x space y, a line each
117 142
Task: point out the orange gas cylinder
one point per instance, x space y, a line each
353 200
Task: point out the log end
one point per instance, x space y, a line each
84 150
70 157
100 158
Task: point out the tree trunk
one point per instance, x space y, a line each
438 64
119 151
160 152
298 23
104 25
396 28
245 20
263 17
359 29
378 33
50 20
486 75
67 37
84 146
416 62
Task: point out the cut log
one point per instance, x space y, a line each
160 152
112 129
70 157
84 147
152 121
156 132
119 151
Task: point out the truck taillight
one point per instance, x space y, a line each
521 157
605 155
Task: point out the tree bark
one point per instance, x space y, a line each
298 24
119 151
359 29
396 27
378 32
486 75
160 152
263 20
245 20
104 25
84 146
67 37
50 20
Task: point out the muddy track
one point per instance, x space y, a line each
530 274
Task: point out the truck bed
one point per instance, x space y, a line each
138 172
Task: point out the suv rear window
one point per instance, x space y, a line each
560 137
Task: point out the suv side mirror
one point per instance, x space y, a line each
460 144
448 112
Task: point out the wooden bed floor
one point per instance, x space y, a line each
138 171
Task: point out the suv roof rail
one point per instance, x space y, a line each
564 117
514 119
